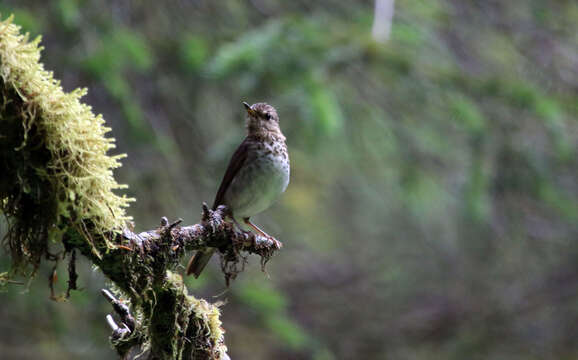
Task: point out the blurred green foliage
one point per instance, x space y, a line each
194 52
433 205
69 11
117 53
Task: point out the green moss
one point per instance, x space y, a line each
208 316
59 174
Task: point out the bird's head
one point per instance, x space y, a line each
262 120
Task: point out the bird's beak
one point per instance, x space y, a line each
249 109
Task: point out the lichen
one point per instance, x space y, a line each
209 316
206 317
56 172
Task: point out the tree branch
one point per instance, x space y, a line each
141 266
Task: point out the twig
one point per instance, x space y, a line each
121 309
72 275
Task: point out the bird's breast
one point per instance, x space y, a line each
260 181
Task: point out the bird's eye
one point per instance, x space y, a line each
268 116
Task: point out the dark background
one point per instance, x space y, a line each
433 205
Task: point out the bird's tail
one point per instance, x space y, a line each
199 261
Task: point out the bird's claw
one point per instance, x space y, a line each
278 244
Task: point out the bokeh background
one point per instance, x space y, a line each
433 205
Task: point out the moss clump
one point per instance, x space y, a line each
203 323
55 171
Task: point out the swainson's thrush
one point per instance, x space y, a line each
257 174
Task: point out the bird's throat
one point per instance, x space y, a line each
263 134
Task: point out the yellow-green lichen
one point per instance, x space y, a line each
53 151
209 315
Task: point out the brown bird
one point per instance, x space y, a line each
257 174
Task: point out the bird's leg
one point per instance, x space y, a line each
278 243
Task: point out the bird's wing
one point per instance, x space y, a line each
236 162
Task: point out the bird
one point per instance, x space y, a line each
257 174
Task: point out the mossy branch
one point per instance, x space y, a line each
57 187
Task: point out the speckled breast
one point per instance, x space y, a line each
263 177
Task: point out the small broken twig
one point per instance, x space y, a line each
72 275
121 309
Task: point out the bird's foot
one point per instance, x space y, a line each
278 244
